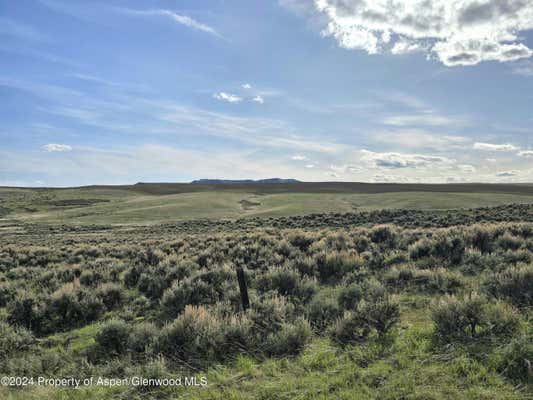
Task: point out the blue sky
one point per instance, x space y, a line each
124 91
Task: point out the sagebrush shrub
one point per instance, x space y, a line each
13 340
322 311
286 282
514 284
516 360
289 340
112 338
378 316
471 317
195 336
350 296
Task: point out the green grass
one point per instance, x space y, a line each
409 369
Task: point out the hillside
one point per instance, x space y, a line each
163 202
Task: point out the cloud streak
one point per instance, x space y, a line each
494 147
178 18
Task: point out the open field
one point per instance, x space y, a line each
436 304
156 203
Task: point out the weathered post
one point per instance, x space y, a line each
244 290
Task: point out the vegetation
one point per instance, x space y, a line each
385 304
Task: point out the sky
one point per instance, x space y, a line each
119 92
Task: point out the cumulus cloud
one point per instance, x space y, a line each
246 86
456 32
494 147
400 160
258 99
53 147
526 153
230 98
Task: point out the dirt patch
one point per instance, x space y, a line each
248 205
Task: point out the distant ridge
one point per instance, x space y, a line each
233 181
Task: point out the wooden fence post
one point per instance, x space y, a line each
244 290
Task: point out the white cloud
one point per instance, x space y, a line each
526 153
52 147
299 157
456 32
230 98
494 147
310 166
246 86
421 139
424 119
400 160
258 99
404 46
505 174
467 168
180 19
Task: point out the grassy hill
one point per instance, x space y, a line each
163 202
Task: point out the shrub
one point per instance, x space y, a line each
286 282
140 305
482 240
112 339
269 315
23 312
131 276
420 249
350 296
189 292
472 317
290 340
333 266
516 360
142 338
66 310
322 311
508 242
152 285
112 295
475 262
369 317
443 247
384 235
380 315
431 281
194 336
350 329
13 340
301 241
7 293
90 278
449 248
514 284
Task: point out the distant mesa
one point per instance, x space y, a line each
233 181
